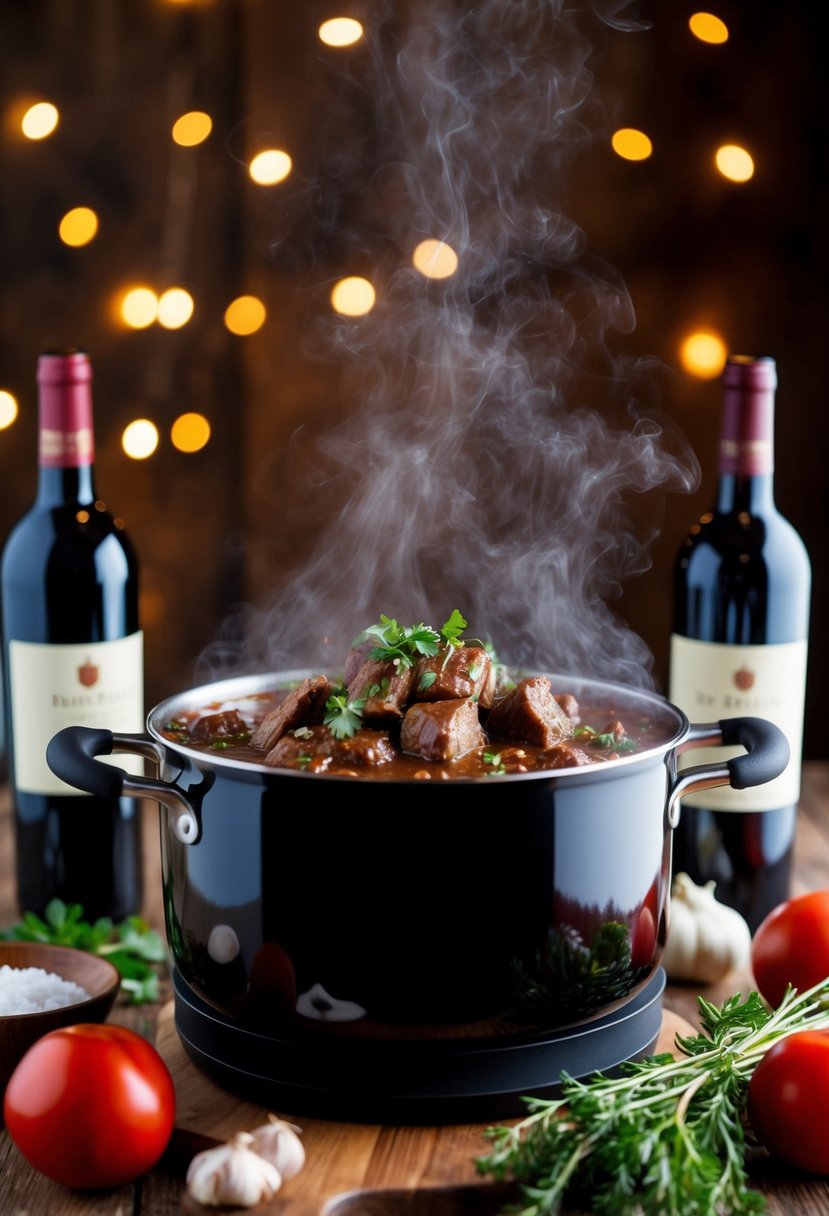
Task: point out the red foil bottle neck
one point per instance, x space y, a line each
747 432
66 438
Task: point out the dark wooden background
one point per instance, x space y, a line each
219 529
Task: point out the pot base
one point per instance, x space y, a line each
379 1082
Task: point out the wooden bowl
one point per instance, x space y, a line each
18 1031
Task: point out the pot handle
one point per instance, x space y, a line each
71 754
767 754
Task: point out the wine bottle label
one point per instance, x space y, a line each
97 684
713 680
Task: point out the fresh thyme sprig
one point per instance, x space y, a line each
664 1138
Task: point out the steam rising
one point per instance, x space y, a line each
500 441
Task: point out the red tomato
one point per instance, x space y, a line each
791 946
788 1100
91 1106
643 940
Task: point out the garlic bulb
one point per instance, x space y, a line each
279 1143
232 1173
706 939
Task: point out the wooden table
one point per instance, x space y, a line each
421 1161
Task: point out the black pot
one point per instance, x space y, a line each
308 905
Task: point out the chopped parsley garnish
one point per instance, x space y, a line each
426 680
607 739
494 758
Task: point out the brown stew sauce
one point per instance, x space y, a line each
601 733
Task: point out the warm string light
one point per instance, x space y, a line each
435 259
703 353
245 315
734 162
270 166
78 227
190 432
40 120
340 31
140 439
192 128
353 296
631 144
8 408
708 28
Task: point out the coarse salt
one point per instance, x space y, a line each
33 990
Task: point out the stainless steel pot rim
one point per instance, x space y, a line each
236 688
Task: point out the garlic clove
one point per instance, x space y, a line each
706 938
279 1143
232 1173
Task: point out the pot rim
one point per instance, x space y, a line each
237 688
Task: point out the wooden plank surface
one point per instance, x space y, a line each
359 1170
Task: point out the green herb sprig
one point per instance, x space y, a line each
343 717
402 642
136 950
666 1137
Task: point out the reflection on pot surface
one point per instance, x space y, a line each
418 917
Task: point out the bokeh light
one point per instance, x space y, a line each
353 296
270 166
190 432
140 439
708 28
703 354
340 31
175 307
78 227
40 120
435 259
192 128
139 307
631 144
245 315
734 162
8 408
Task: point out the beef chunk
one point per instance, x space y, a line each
385 686
226 724
357 655
441 730
302 706
365 749
563 755
315 749
463 672
570 706
617 730
529 713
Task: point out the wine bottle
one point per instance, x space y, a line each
72 655
742 586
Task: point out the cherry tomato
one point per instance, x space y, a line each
788 1100
90 1106
791 946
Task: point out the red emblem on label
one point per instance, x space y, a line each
88 674
744 679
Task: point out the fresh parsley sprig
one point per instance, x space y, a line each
136 950
666 1137
402 642
343 717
